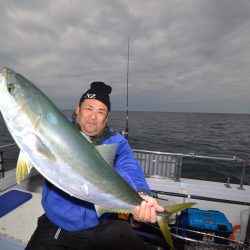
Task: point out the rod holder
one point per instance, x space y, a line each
228 183
243 172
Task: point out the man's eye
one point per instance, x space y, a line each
11 88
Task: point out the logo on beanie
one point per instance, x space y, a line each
90 96
99 91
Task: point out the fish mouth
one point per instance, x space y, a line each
3 74
5 71
6 74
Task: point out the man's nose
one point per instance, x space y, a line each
93 115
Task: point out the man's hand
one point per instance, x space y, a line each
146 212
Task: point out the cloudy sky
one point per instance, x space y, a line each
185 55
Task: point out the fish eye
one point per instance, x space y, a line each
11 88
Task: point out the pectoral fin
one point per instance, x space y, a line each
23 167
43 150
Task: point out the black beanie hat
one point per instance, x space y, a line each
98 91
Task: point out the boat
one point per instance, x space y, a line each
163 171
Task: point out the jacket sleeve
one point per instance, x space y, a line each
127 166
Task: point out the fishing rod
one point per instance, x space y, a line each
126 131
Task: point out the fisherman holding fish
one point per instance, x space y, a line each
70 223
89 170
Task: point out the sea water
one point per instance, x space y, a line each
222 135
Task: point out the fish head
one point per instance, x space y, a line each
18 97
9 90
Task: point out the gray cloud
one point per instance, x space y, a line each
189 55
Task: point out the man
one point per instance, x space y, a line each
70 223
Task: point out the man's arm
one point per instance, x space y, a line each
128 167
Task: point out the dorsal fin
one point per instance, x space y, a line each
108 152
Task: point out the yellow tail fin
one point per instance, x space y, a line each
163 219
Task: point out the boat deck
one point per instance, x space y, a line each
17 226
200 188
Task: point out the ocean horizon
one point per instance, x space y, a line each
212 134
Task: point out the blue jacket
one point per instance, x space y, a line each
72 214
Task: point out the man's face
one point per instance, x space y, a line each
92 116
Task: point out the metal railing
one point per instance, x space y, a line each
7 145
1 165
157 163
164 164
2 158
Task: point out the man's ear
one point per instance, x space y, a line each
77 109
106 120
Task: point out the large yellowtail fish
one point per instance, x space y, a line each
62 155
